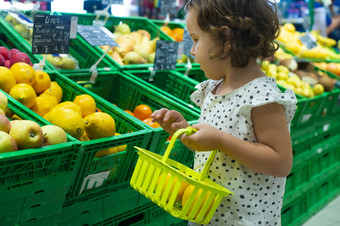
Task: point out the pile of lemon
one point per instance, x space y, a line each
289 80
80 118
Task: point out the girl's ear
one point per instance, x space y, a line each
226 44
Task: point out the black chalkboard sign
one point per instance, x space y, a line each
165 55
51 34
168 6
96 36
308 40
187 44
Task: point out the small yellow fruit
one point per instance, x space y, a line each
122 147
7 79
69 120
44 104
99 125
282 76
54 90
23 73
282 68
106 152
318 89
42 82
86 103
23 93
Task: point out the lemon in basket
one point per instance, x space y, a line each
181 190
99 125
186 195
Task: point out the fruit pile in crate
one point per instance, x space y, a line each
290 40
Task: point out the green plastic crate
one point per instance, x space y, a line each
34 182
134 23
170 83
85 54
126 92
103 206
113 170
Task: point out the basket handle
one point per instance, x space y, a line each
188 131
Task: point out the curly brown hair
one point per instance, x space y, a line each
253 27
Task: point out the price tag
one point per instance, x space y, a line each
96 36
187 44
168 6
308 40
51 34
165 55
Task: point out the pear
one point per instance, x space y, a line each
126 43
152 44
133 58
144 33
151 58
68 63
115 55
123 28
142 50
136 36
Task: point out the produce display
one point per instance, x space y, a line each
135 47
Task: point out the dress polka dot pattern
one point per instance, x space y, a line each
258 197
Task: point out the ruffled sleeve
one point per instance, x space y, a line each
198 96
287 100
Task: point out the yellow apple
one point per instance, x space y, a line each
26 133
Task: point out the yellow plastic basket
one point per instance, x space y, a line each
201 197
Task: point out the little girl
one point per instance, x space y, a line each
243 113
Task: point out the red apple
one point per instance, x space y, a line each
4 52
7 64
5 124
2 60
12 52
20 57
53 135
26 133
7 143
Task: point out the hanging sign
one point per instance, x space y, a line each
308 40
96 36
51 34
165 55
168 6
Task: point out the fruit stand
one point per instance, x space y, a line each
84 180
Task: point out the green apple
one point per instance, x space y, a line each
7 143
5 124
26 133
53 135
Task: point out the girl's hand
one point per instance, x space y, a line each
205 139
170 120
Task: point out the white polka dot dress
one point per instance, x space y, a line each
258 197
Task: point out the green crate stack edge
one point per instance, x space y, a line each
85 54
34 182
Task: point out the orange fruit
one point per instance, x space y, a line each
23 93
7 79
180 191
129 112
149 122
42 82
167 30
99 125
142 111
186 195
44 104
54 90
86 103
23 73
178 34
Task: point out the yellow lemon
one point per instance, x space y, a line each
318 89
122 147
68 105
23 93
23 73
99 125
282 68
86 103
44 104
54 90
106 152
289 27
7 79
70 121
282 76
42 82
